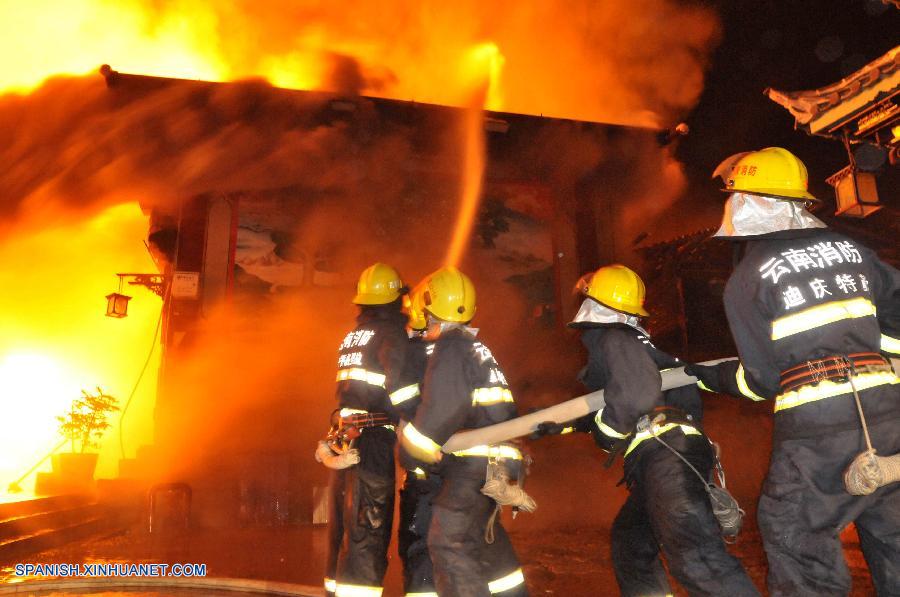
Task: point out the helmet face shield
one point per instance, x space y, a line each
751 215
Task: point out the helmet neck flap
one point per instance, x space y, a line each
593 312
752 215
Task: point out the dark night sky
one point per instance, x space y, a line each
789 45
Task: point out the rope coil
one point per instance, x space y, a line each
868 471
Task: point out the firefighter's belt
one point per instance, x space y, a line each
834 368
661 419
494 452
366 420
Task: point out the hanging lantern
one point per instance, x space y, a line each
117 303
855 192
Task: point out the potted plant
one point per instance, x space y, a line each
83 425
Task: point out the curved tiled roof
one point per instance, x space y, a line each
806 105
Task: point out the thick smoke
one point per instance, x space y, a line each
359 189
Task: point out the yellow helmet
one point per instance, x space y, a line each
449 295
415 307
379 284
618 288
771 172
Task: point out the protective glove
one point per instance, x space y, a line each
709 376
549 428
336 461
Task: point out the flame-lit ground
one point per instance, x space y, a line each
564 546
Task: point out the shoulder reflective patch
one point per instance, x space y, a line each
405 393
486 396
820 315
606 429
419 445
741 378
357 374
829 389
505 583
343 590
889 344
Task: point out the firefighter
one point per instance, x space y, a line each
371 360
419 486
464 388
811 311
668 507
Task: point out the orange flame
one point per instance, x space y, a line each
59 341
650 70
482 68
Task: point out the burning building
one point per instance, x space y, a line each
279 199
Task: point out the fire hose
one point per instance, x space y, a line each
865 474
560 413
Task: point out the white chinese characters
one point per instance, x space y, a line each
356 338
821 255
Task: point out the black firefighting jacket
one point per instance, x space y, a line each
407 398
464 388
804 295
371 360
408 395
626 365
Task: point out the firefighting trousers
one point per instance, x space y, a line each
668 509
465 564
412 537
804 508
361 510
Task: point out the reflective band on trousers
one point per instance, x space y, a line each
330 585
741 379
420 441
493 395
485 451
432 594
357 591
606 429
829 389
820 315
889 344
658 430
510 581
357 374
405 393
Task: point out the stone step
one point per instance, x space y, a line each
42 504
28 524
71 520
